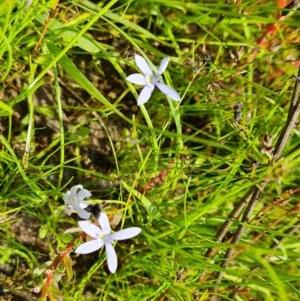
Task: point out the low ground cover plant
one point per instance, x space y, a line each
149 150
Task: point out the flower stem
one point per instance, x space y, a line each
154 138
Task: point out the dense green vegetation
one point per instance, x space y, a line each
212 180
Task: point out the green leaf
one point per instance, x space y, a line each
152 209
83 131
77 75
68 263
43 231
5 110
66 238
55 292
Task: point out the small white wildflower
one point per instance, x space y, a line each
150 80
74 201
102 236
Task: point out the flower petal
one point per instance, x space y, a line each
112 260
126 233
83 214
67 197
89 247
145 94
137 79
168 91
68 210
89 228
83 204
142 64
104 222
163 65
73 190
82 194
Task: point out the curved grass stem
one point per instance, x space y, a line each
249 201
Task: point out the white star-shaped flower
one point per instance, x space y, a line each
74 201
150 80
102 236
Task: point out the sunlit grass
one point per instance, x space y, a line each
176 170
